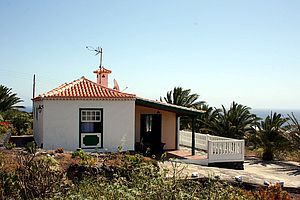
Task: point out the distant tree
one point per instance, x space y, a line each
234 123
8 100
271 137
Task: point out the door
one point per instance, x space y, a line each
90 128
151 131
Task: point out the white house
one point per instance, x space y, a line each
86 114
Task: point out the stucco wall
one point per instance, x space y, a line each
61 123
168 132
38 123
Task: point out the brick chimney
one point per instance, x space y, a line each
102 76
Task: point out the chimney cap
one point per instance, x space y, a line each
102 70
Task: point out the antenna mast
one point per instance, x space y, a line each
101 54
33 92
98 51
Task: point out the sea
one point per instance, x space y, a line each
263 113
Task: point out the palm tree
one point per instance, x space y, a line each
204 119
233 123
293 131
181 97
271 135
8 100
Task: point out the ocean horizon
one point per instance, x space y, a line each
263 113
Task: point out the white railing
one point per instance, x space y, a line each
225 151
219 149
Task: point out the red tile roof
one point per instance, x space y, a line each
84 89
102 70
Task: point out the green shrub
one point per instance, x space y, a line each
79 153
8 184
85 159
31 147
9 145
22 122
3 129
147 182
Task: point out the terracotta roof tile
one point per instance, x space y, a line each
102 70
83 88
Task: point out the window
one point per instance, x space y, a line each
148 122
91 116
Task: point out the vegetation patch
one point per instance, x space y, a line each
48 175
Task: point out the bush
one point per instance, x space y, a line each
31 147
274 192
10 145
39 177
79 153
85 159
35 177
59 150
3 129
22 123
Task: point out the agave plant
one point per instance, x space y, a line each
271 135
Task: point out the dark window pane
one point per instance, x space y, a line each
90 127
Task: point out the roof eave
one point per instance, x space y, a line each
84 98
168 107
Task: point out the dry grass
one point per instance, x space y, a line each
284 156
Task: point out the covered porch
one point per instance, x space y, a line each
157 125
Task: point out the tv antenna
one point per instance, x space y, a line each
98 51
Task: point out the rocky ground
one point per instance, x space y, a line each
256 172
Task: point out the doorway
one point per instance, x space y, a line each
151 132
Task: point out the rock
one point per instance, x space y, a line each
238 178
281 183
195 175
267 183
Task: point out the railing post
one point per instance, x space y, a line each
243 149
208 150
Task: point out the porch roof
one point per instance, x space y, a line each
180 110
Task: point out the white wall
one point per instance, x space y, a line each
61 123
168 131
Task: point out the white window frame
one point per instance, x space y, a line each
95 146
92 114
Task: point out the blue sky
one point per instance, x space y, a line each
243 51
